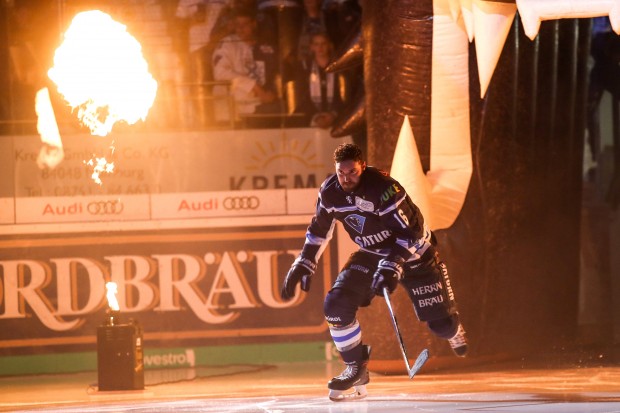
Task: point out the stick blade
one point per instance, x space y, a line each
422 358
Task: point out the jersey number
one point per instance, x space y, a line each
402 218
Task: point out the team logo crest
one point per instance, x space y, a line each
356 222
364 205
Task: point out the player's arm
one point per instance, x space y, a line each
404 219
318 234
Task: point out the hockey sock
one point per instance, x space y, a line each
355 354
348 340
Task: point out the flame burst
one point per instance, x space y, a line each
99 166
51 153
100 71
111 296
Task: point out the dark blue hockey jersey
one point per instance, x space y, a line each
379 216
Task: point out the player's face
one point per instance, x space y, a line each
349 174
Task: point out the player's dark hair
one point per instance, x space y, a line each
348 152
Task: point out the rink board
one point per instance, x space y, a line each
197 230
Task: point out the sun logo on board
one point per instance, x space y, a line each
267 152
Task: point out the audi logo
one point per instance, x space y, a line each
241 202
105 207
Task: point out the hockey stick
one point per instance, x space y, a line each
423 355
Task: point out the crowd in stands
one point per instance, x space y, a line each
267 58
218 63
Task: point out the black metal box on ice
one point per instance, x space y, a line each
120 361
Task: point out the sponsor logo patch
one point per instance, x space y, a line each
364 205
390 192
360 268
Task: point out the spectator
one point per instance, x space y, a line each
201 16
604 76
317 91
313 22
155 21
279 24
251 68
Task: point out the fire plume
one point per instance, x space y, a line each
101 72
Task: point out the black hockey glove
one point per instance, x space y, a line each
301 272
388 273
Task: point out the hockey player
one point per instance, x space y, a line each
394 246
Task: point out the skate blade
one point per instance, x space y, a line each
359 392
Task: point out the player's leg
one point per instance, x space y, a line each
428 286
350 291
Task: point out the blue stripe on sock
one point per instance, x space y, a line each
339 339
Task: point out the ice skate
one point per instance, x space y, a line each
351 383
459 342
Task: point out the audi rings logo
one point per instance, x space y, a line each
105 207
235 203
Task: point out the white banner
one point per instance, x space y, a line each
7 211
230 160
164 177
301 201
82 209
218 204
